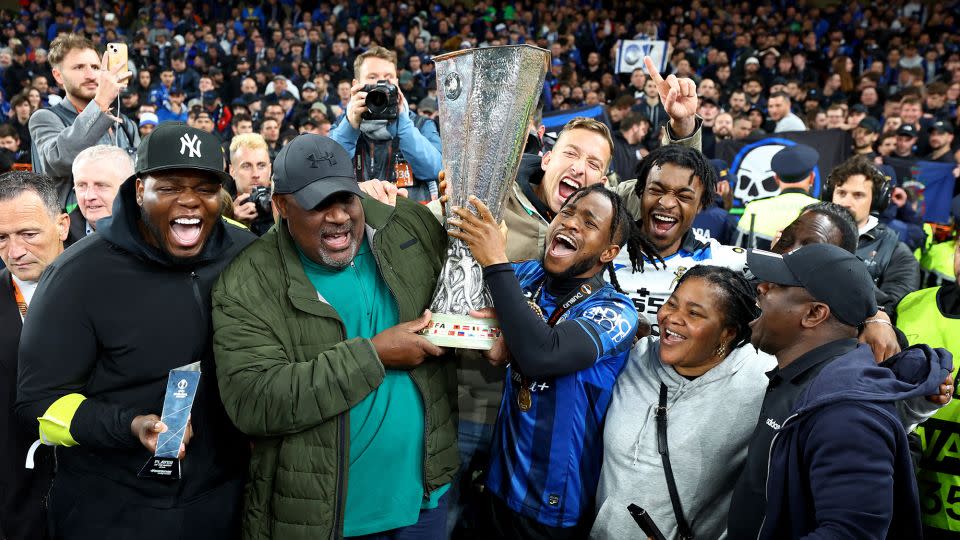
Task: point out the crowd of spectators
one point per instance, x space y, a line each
250 79
231 69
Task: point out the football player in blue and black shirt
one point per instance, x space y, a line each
566 336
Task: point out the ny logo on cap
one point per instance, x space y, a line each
326 156
193 145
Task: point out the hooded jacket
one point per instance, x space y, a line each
840 465
709 423
110 318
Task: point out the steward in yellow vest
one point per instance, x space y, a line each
932 316
793 167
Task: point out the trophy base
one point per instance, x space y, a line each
461 331
163 468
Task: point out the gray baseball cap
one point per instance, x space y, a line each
312 168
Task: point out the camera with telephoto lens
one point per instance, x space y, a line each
383 101
260 196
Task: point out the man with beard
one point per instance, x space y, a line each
778 107
829 420
566 335
941 142
723 126
405 150
129 304
864 136
320 362
84 118
32 231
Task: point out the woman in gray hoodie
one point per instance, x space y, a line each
714 389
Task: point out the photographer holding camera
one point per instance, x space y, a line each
251 170
386 140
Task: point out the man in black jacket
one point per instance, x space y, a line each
860 187
32 231
129 304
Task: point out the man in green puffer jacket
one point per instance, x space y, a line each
351 412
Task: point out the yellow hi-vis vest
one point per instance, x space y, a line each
939 474
938 261
773 215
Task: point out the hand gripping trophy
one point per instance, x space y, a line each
487 98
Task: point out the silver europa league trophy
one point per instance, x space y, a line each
486 99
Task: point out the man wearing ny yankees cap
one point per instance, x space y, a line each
351 411
108 321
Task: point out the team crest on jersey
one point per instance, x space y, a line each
677 275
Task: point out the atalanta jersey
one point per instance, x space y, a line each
546 459
650 289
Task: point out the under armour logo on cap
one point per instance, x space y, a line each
325 156
193 145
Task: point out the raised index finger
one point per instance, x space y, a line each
652 70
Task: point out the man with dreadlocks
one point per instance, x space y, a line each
673 184
566 335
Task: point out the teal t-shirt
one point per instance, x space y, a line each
385 478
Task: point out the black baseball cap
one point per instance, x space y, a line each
829 273
907 130
860 108
175 145
313 167
707 99
940 125
870 124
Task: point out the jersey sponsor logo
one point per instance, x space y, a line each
534 386
585 290
773 423
611 321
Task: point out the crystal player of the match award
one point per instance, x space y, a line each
182 384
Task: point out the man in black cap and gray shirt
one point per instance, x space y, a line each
107 323
829 456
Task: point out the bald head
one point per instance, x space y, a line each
821 223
